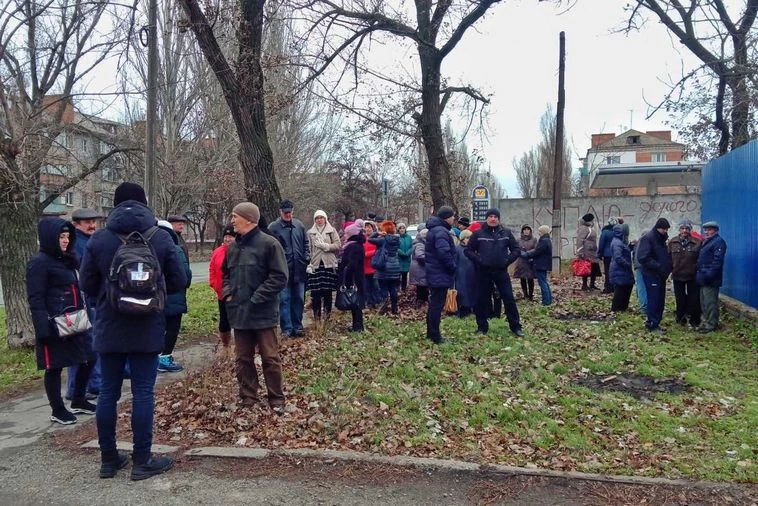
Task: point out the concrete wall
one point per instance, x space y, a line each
640 212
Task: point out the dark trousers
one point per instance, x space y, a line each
437 297
403 281
621 294
319 298
143 368
53 384
373 296
388 287
173 325
656 299
687 295
246 341
607 286
709 301
223 319
527 287
357 315
503 286
422 293
496 303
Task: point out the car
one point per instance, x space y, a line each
412 230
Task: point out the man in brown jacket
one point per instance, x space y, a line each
684 250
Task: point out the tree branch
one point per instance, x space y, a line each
472 17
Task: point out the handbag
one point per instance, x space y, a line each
348 298
379 260
71 323
581 267
451 301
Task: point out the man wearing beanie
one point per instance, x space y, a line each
655 262
441 261
493 248
293 236
123 339
684 250
254 272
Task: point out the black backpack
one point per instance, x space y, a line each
134 282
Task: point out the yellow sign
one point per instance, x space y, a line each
480 193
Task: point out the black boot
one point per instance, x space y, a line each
154 466
110 464
584 284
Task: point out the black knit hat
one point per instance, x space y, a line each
493 212
129 191
662 223
445 212
463 220
229 230
588 217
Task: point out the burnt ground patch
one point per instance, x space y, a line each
638 386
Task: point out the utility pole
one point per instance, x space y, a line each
558 165
152 91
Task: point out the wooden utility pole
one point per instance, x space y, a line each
558 164
152 90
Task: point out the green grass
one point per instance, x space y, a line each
18 368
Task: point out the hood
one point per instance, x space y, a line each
359 238
436 221
618 232
585 223
130 216
49 229
165 225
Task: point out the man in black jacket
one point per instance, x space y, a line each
654 259
493 248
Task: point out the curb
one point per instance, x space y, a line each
423 462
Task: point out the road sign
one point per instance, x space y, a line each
480 202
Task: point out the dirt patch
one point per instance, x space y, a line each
638 386
582 316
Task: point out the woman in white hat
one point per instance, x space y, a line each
323 244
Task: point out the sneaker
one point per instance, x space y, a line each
299 332
63 416
84 407
166 364
154 466
91 396
518 333
109 468
481 333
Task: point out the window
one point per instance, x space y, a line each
68 198
658 157
110 174
613 160
84 144
633 139
106 200
104 148
85 200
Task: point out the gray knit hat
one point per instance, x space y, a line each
248 210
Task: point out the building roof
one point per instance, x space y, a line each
641 174
644 140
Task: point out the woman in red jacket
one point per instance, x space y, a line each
372 285
216 282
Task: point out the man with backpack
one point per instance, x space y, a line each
129 266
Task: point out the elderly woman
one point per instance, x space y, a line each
525 266
52 285
620 270
323 244
418 267
404 254
586 248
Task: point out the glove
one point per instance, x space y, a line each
309 269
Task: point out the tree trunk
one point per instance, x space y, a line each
430 123
18 221
740 93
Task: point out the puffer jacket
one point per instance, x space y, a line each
391 243
493 248
710 262
586 241
604 245
417 275
543 254
684 257
621 259
441 257
652 255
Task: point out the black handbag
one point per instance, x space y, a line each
348 298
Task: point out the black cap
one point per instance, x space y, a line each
85 214
464 221
286 205
229 230
176 218
129 191
588 217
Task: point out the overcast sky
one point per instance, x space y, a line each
513 53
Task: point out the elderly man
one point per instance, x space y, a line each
655 264
294 239
85 222
177 223
254 272
710 274
684 250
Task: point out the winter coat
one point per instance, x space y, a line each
52 289
542 254
176 302
215 276
350 270
441 257
80 246
391 243
684 257
369 250
710 262
405 252
586 241
328 254
182 244
604 244
621 259
525 266
652 255
417 275
118 332
254 273
493 248
465 278
294 240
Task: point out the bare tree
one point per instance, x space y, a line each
723 42
527 173
48 48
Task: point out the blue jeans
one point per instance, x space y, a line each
291 304
93 385
547 296
656 298
639 284
144 369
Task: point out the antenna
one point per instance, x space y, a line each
631 118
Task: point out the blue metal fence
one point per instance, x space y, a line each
730 196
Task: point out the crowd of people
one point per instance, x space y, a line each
108 303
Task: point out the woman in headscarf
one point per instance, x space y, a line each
524 265
52 285
324 243
586 248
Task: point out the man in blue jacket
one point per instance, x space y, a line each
493 248
655 261
128 339
441 259
710 275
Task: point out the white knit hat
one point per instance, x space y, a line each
320 213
